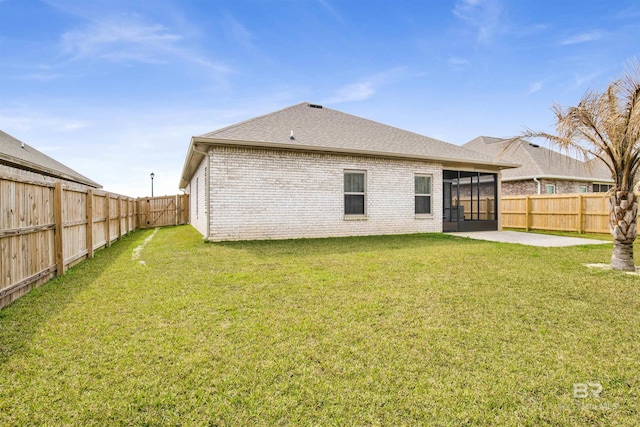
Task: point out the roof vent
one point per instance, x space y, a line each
315 105
534 145
292 137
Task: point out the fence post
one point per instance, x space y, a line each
107 231
58 242
580 214
177 210
527 213
119 216
90 223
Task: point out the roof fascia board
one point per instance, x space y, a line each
191 163
298 147
558 177
35 168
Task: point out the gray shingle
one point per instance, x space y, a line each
536 161
327 128
15 153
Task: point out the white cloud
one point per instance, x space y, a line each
354 92
582 38
118 39
238 32
41 77
484 15
535 87
332 11
582 79
458 62
130 39
366 88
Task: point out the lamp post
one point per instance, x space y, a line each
152 175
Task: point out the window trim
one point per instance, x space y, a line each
547 186
353 193
430 195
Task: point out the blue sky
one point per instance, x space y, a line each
116 88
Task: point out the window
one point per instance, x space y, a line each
423 194
583 188
601 188
551 189
354 193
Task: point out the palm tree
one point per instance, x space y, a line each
606 126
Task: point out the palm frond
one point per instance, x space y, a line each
603 125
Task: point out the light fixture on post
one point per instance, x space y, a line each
152 175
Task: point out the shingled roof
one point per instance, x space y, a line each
311 127
16 153
537 161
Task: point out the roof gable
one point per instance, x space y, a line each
16 153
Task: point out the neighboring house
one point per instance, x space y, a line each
18 158
309 171
542 171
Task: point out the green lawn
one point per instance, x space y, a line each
399 330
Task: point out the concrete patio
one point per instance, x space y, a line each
531 239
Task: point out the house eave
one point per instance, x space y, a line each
558 177
194 157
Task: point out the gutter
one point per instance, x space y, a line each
560 177
537 182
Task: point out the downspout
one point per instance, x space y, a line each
538 182
206 188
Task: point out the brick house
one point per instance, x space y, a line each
309 171
542 171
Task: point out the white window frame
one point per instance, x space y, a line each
352 193
552 187
584 189
430 195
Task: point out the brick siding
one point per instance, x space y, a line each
197 200
529 187
268 194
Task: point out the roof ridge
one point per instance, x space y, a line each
232 126
487 157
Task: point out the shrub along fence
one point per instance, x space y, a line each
45 228
583 213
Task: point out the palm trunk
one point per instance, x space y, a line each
623 212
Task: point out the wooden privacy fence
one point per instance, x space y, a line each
162 211
583 213
482 209
45 227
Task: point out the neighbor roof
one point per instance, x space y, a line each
311 127
537 161
15 153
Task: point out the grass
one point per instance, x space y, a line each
390 330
